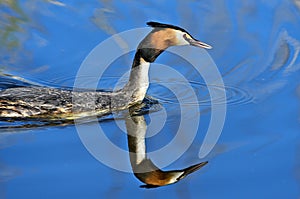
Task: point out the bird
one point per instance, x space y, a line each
54 103
143 168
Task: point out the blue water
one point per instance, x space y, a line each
256 47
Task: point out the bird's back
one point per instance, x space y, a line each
46 102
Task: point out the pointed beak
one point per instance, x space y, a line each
199 44
192 169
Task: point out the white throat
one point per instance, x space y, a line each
138 81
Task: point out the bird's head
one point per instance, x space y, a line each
156 177
163 36
170 35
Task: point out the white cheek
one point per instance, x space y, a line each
180 40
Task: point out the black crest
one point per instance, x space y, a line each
162 25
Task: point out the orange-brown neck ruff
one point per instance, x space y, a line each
154 44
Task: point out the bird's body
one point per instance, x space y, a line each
52 103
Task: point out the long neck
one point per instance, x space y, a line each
136 132
138 83
148 50
144 169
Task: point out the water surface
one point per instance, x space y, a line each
256 48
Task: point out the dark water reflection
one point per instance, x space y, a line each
143 167
256 48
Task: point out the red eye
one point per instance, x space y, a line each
185 37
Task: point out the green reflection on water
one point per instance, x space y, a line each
12 17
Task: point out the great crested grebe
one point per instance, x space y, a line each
52 103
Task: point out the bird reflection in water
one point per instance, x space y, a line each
143 168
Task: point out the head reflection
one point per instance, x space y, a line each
143 168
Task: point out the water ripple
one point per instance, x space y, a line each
234 95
